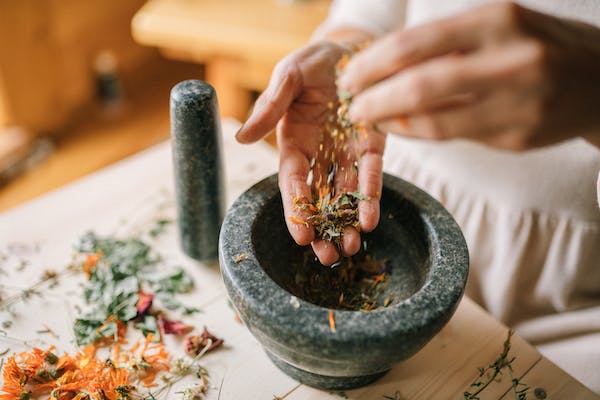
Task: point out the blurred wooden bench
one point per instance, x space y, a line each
238 41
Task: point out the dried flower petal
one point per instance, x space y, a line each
195 344
173 327
144 303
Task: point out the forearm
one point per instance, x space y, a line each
354 22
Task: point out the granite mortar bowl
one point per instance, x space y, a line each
429 268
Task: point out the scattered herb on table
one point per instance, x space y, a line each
489 374
203 342
123 281
121 275
85 375
159 227
395 396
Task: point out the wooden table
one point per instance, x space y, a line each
239 41
120 198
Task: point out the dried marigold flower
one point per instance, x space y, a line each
197 343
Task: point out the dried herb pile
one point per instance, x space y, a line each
332 215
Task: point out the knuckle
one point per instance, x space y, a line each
503 17
536 67
402 48
506 12
538 54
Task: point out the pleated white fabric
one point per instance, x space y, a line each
531 219
534 240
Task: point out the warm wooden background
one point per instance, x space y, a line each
48 84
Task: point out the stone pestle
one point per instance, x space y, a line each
196 144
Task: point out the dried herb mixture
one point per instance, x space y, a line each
356 283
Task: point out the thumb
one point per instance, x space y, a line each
284 86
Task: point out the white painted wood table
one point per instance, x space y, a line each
122 198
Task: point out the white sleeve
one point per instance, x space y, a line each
375 16
598 189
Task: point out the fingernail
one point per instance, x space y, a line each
355 112
237 134
344 83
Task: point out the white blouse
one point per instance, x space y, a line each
531 219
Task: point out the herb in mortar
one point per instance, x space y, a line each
356 283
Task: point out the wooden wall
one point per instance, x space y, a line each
47 52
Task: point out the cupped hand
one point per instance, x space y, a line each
298 101
499 74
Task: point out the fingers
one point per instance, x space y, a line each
293 171
370 178
272 104
401 49
491 120
417 89
350 242
325 251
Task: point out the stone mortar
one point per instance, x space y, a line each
429 271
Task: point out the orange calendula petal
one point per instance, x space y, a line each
332 321
298 221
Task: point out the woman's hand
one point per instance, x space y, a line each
499 74
298 100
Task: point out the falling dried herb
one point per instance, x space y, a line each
332 214
332 167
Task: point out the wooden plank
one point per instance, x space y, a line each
46 68
546 379
446 366
98 139
128 192
261 29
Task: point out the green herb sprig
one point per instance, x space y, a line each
489 374
124 268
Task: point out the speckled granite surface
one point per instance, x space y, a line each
415 232
196 135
